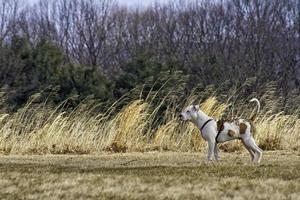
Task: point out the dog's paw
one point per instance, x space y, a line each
208 162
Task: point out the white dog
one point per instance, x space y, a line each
217 132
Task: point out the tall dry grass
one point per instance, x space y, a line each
43 129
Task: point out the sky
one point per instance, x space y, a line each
140 2
130 3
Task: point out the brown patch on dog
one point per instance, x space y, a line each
231 133
243 128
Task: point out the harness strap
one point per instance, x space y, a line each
205 124
219 131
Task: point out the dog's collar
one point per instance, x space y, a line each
205 124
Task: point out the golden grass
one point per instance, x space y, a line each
279 132
42 129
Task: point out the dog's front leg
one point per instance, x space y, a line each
216 152
211 147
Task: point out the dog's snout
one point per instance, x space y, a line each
180 116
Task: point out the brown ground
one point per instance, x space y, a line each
169 175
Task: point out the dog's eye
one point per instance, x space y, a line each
188 111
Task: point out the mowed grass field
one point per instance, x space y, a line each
153 175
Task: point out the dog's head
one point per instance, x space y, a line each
190 113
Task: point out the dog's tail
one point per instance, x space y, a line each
254 114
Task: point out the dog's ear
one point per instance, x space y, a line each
196 107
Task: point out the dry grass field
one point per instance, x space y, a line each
42 129
57 153
91 94
150 175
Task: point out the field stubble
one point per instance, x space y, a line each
154 175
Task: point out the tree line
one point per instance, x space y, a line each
77 48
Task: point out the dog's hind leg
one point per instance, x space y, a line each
258 151
252 154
